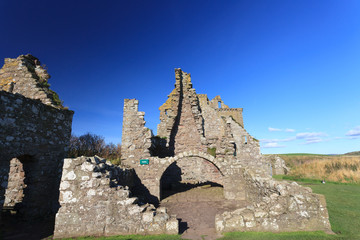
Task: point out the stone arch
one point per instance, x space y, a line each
187 170
206 156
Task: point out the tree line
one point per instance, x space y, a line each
91 144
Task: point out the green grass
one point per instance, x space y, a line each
278 236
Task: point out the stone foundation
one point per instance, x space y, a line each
277 207
94 203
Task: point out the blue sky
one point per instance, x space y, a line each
292 65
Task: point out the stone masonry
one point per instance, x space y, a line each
277 207
26 76
34 137
200 141
95 202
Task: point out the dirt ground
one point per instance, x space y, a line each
197 209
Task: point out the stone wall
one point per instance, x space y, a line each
26 76
94 202
181 122
278 166
38 136
200 141
276 207
136 138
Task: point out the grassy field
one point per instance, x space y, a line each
336 168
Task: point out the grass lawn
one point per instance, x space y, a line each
343 203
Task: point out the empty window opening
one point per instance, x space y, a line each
166 112
245 139
219 104
234 149
17 185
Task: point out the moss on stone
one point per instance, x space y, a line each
212 151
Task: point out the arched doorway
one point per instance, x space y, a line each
191 188
187 173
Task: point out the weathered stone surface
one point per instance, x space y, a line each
277 206
34 137
136 138
101 205
205 141
278 166
25 75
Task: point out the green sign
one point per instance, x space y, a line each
144 161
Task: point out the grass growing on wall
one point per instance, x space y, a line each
212 151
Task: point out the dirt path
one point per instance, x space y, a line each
197 209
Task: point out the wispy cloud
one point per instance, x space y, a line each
307 135
271 129
277 140
311 137
274 129
313 140
273 145
289 130
354 133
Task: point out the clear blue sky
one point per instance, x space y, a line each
294 66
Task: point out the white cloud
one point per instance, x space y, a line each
271 129
273 145
311 137
354 133
289 130
277 140
313 140
274 129
307 135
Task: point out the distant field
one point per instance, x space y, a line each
337 168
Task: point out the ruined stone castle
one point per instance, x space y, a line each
199 141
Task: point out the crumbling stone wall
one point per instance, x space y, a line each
26 76
276 207
136 138
34 137
278 166
15 185
194 131
94 202
181 120
38 136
